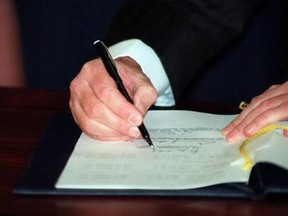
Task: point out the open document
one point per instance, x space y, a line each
190 152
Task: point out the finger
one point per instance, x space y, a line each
88 125
104 138
285 132
273 87
138 84
268 117
268 112
277 112
103 133
242 118
144 97
105 89
243 127
85 107
98 112
118 105
238 120
98 130
253 107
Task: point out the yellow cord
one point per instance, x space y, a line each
245 154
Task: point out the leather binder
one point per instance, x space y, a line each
57 143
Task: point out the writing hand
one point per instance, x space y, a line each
98 107
265 109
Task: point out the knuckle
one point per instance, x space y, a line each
87 67
76 87
264 118
152 91
104 93
284 107
273 86
149 92
285 85
258 99
86 126
239 129
123 128
74 84
237 120
267 104
94 111
239 123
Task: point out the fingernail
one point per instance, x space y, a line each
226 130
233 137
134 132
135 119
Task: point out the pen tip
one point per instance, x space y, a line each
149 141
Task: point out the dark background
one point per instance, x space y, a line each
57 38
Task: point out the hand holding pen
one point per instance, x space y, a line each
100 109
113 72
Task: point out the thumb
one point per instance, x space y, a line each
144 97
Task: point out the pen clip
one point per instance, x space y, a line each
111 67
108 56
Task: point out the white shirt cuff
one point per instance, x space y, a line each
151 66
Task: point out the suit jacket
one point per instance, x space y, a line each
186 34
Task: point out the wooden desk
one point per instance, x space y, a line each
23 116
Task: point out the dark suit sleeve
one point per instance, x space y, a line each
184 34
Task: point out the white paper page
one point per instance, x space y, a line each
189 152
270 147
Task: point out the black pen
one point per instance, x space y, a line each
112 70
